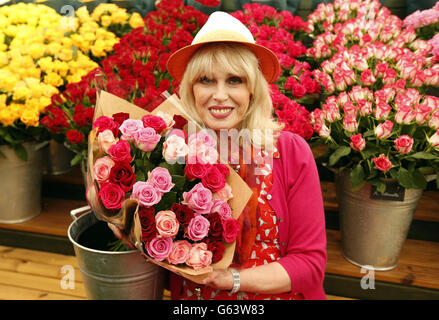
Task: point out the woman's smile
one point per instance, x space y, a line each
221 98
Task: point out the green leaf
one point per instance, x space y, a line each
357 175
20 152
424 155
168 199
76 159
381 187
338 154
405 178
419 181
174 169
179 182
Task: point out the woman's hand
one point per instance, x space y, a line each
120 235
221 279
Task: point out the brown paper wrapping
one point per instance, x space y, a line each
127 218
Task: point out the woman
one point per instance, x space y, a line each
281 252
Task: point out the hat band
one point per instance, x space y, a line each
222 35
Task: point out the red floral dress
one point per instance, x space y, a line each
266 249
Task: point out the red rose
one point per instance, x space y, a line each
217 248
120 117
147 222
122 174
111 195
74 136
120 152
183 213
196 170
223 169
180 122
382 163
216 226
105 123
213 179
157 123
231 229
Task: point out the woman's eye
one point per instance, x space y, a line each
235 80
205 80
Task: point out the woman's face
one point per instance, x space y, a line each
221 99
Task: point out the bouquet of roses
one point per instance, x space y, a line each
425 23
165 188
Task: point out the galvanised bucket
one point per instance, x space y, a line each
56 159
112 275
20 187
373 231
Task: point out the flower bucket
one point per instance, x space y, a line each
110 275
20 188
374 227
56 159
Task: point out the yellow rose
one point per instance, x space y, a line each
106 21
21 92
7 117
136 20
46 64
30 117
3 101
61 67
44 103
8 80
3 59
34 73
83 14
120 17
53 79
65 54
36 50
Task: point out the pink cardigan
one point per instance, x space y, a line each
296 197
297 200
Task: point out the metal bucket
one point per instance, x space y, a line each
373 231
56 159
109 275
20 187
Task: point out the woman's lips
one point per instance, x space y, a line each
220 112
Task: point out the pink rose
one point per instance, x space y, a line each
178 132
365 107
120 152
146 194
166 224
173 148
146 139
159 248
111 195
382 110
384 130
224 194
198 199
357 142
434 140
154 122
161 179
106 140
350 123
222 208
382 163
167 118
423 112
129 127
204 137
180 252
198 228
434 120
202 152
403 144
367 78
102 169
231 229
405 114
199 256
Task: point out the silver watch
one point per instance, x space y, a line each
236 281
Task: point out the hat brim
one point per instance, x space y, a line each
268 61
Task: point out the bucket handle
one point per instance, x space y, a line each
74 212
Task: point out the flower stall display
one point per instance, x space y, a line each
163 186
136 71
296 87
425 23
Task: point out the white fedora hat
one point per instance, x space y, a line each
222 27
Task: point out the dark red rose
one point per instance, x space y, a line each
217 248
216 225
74 136
213 179
147 222
120 117
231 229
196 170
111 195
180 122
122 174
182 213
157 123
105 123
223 169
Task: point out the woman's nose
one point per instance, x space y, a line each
220 93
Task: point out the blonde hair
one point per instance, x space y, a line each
237 59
